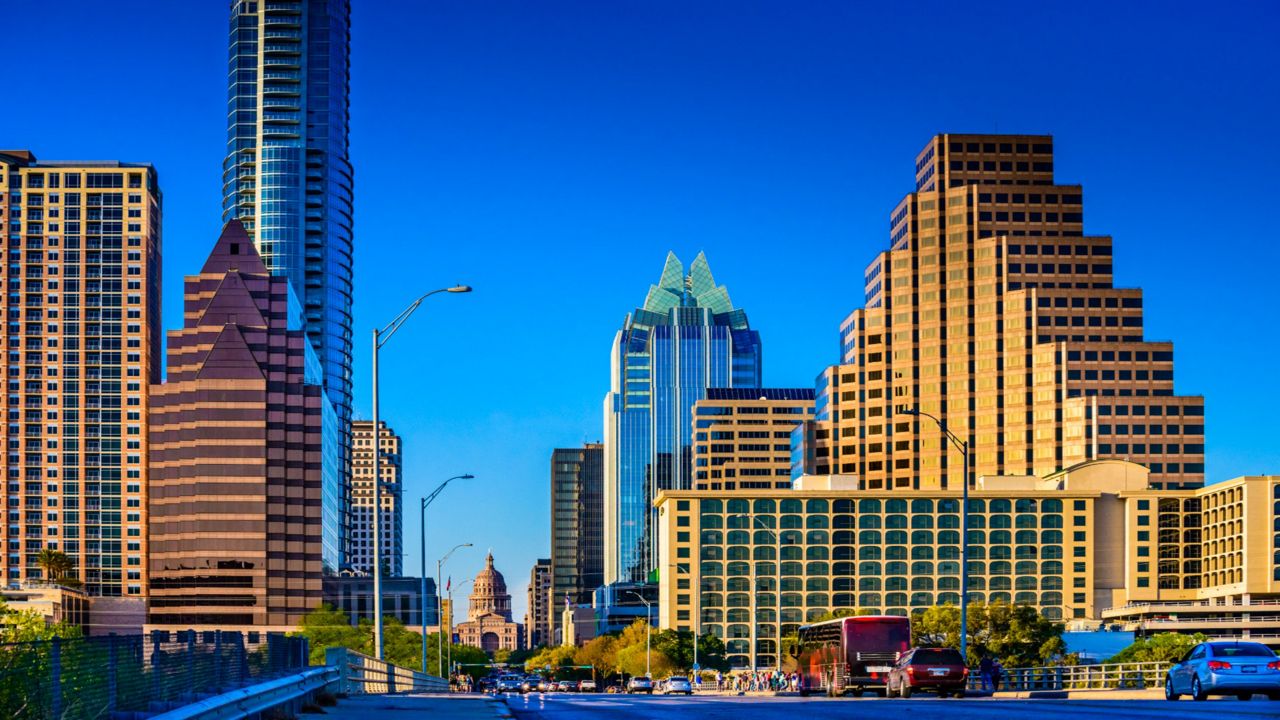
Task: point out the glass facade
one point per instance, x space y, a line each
686 338
287 175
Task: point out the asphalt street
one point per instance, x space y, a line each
639 707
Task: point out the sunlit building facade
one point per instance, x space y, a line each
687 337
391 467
742 436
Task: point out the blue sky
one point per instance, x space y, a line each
551 153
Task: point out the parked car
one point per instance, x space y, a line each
615 689
677 685
509 683
640 684
567 686
941 670
1235 668
587 686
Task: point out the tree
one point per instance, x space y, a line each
327 627
55 564
1016 634
601 653
559 659
1162 647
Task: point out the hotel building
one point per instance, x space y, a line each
391 468
742 437
992 309
81 338
1081 543
687 337
245 497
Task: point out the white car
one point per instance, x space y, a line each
677 685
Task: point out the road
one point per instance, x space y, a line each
621 707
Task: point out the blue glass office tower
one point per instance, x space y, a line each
287 176
686 338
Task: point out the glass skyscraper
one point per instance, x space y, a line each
287 175
687 337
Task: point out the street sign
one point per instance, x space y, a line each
696 667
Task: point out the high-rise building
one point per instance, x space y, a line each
742 436
244 497
687 337
287 175
1089 542
361 506
577 527
81 340
537 618
994 311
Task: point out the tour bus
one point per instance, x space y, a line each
851 654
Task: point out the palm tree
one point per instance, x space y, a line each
55 564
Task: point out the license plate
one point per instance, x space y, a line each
878 668
938 671
1249 668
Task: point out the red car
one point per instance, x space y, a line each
940 670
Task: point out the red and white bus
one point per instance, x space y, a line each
851 654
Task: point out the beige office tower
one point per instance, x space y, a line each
81 340
391 469
994 312
742 437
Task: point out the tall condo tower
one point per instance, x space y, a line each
687 337
995 312
287 175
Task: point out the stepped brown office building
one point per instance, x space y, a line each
244 515
993 309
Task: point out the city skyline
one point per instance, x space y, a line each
699 193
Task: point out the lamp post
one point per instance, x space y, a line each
422 591
450 651
697 616
380 338
440 611
963 447
777 538
648 624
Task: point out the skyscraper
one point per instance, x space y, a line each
687 337
287 176
245 497
577 528
81 342
993 311
540 608
361 507
742 436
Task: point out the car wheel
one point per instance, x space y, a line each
959 693
1197 690
1169 694
905 691
889 692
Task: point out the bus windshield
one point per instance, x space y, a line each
886 634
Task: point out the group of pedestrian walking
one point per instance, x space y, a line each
759 681
991 672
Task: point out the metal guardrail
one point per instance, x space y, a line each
364 675
1108 676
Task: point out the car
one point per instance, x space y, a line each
530 684
544 685
615 689
640 684
1239 668
941 670
567 686
587 686
509 683
675 685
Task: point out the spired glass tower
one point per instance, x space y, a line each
287 176
686 338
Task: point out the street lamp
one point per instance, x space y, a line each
380 338
648 623
697 616
422 595
777 538
963 447
440 610
450 651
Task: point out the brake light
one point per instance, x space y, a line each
911 669
1219 665
965 671
1273 665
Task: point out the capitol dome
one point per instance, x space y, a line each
489 594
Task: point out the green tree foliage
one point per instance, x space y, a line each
1018 635
670 651
327 627
1162 647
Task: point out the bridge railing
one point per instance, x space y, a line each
1108 676
364 675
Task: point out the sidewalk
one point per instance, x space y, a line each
395 707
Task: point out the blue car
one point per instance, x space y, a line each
1243 669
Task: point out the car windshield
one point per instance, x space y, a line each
929 656
677 679
1241 649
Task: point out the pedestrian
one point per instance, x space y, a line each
984 670
997 674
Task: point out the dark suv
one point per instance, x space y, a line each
941 670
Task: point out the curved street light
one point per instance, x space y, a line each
380 338
422 594
440 610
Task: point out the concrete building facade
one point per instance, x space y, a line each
742 436
577 529
244 507
360 558
993 310
81 343
537 618
1073 544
